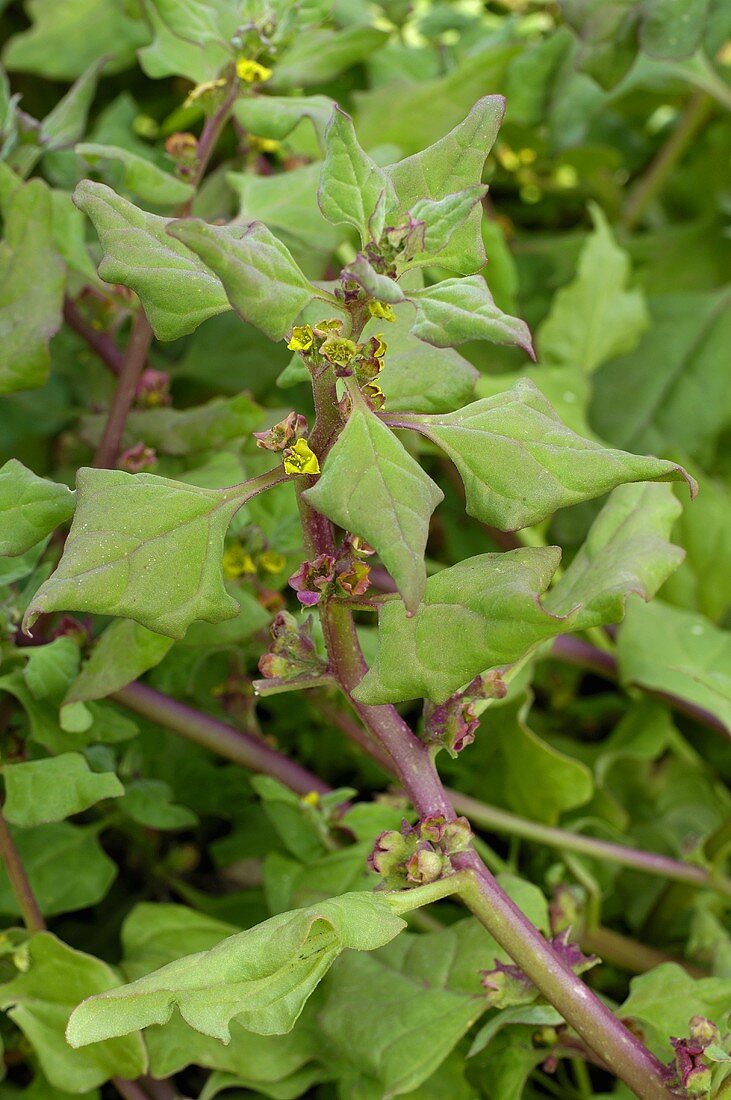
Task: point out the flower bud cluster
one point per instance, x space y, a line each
507 985
691 1071
419 854
292 653
331 575
325 344
451 725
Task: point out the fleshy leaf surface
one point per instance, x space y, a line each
457 310
483 612
40 999
519 462
145 548
353 189
372 487
32 278
149 182
121 654
31 507
263 976
263 283
176 289
40 791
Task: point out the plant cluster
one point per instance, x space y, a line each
345 748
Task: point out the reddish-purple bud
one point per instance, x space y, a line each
312 579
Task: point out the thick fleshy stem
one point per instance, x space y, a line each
216 736
623 1052
100 342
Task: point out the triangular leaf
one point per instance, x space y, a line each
31 507
353 189
372 487
142 176
145 548
263 283
519 462
177 291
263 976
39 791
457 310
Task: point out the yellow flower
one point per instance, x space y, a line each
302 338
382 310
272 561
312 798
263 145
237 562
333 325
339 350
251 72
375 395
300 459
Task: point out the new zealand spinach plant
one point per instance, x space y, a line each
286 872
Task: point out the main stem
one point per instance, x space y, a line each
135 358
600 1029
19 884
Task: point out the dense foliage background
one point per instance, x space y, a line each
606 228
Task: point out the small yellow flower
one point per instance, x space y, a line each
312 798
263 145
237 562
382 310
333 325
204 89
271 561
251 72
300 459
375 395
339 350
302 338
380 346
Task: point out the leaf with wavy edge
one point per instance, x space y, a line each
519 462
457 310
353 189
263 977
177 290
145 548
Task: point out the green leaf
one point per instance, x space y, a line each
353 189
664 999
443 218
31 507
671 392
177 291
276 117
196 20
372 487
172 431
479 614
50 668
316 56
149 803
39 1000
66 38
703 581
170 54
565 388
123 652
263 283
32 277
519 462
40 791
67 121
263 976
47 852
454 164
457 310
626 552
595 317
287 204
666 649
142 177
144 548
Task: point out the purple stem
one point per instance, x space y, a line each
135 358
218 737
18 879
99 342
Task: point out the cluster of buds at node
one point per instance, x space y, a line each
292 653
330 575
451 725
325 344
691 1071
136 459
289 437
153 389
507 985
182 148
419 854
397 243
